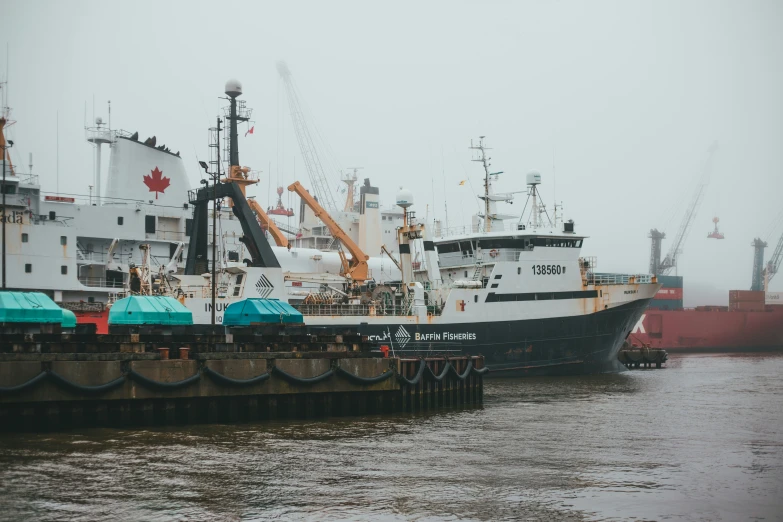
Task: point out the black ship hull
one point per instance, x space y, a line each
575 345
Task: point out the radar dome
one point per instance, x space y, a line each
99 120
404 198
233 87
533 178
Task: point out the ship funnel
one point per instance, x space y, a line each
233 88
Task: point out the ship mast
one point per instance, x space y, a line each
485 163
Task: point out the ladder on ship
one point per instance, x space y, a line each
478 270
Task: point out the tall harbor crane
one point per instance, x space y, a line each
758 281
774 263
762 274
307 144
660 267
356 268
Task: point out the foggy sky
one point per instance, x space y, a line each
626 96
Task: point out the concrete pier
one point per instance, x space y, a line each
50 391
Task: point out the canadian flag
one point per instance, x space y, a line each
250 131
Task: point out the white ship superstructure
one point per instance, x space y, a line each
79 248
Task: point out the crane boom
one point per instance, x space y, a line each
268 224
307 146
774 263
670 261
357 268
396 263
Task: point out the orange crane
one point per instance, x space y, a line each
268 224
357 268
240 176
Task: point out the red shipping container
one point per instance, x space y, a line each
745 306
669 293
748 296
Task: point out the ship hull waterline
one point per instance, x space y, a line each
577 345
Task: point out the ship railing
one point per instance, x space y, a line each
479 229
352 310
99 134
100 282
617 279
81 306
493 256
17 200
453 259
28 179
456 259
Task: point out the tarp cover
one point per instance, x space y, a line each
69 319
261 311
29 307
149 309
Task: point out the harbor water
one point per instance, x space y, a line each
701 439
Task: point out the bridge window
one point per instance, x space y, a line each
120 220
25 237
64 269
447 248
28 268
557 242
63 240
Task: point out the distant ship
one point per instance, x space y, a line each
752 321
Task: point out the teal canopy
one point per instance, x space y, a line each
261 311
149 309
69 319
29 307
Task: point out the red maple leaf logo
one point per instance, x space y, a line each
157 182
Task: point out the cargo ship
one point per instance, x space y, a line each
753 321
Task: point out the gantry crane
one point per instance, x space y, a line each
356 268
660 267
307 144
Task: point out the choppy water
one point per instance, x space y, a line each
700 440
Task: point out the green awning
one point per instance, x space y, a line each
261 311
149 309
29 307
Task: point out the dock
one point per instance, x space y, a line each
53 381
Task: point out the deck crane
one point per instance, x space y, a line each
307 145
660 267
356 268
239 175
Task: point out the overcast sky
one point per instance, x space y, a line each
626 96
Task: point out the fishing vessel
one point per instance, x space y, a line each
517 292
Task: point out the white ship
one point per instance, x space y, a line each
520 294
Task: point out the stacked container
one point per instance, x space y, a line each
746 301
669 297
